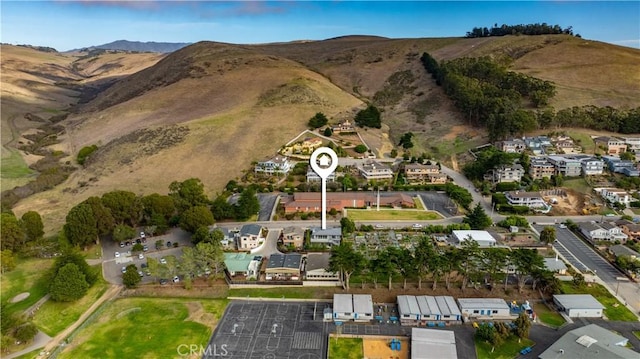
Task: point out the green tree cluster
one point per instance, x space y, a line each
369 117
84 153
405 140
318 120
521 29
360 148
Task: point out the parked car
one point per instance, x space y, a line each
379 226
140 256
140 274
168 244
124 269
121 244
147 272
142 235
145 248
163 261
138 241
117 254
176 279
417 225
143 265
127 243
163 281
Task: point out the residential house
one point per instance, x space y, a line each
532 200
511 173
312 176
250 237
592 166
589 342
416 173
437 178
228 237
315 268
631 171
534 145
633 143
344 127
275 165
544 141
293 237
540 167
373 170
555 265
614 233
511 146
616 165
567 166
484 308
612 145
242 264
622 250
565 145
579 305
483 238
592 231
616 195
283 267
328 236
632 230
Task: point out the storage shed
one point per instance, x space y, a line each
579 305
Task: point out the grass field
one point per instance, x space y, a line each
614 310
547 315
584 140
289 293
345 348
54 317
28 276
391 214
577 184
14 170
507 350
146 328
637 334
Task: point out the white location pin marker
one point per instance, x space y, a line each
324 166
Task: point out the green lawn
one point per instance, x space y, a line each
28 276
345 348
577 184
637 334
547 315
584 140
146 328
508 350
54 317
391 214
614 310
289 293
418 202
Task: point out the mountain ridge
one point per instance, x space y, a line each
137 46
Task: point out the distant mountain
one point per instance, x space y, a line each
138 46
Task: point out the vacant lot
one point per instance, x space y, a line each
548 316
392 215
146 327
507 350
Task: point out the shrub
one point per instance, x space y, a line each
85 152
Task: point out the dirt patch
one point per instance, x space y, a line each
458 130
380 348
198 315
20 297
569 203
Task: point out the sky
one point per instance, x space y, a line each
67 25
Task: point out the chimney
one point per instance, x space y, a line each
556 257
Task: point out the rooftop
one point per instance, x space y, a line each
237 262
342 303
433 343
578 301
622 250
517 194
554 264
362 303
317 261
484 303
290 261
589 342
251 229
318 231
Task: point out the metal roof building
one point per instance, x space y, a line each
342 307
416 310
484 307
579 305
433 344
589 342
362 307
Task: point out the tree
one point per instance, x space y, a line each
424 252
76 258
369 117
523 325
407 265
209 256
81 226
548 235
405 140
222 209
131 278
196 217
189 193
125 206
69 284
394 153
33 227
346 261
557 180
477 218
495 260
627 156
7 261
347 225
360 148
318 120
469 268
201 234
578 280
248 204
159 205
328 132
84 153
526 262
122 232
12 232
104 218
26 332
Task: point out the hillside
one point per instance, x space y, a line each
208 110
138 46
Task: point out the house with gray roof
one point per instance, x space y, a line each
555 265
579 305
590 342
433 343
622 250
315 268
283 266
250 237
328 236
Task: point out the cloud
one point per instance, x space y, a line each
209 10
135 5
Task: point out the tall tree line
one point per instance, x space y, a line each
521 29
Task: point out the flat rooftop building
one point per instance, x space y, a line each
433 343
579 305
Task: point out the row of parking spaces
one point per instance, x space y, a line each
570 257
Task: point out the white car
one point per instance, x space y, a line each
379 226
176 279
140 256
163 261
142 235
417 225
117 254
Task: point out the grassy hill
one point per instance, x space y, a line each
210 109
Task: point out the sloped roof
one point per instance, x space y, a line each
596 343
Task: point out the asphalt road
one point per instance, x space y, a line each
267 202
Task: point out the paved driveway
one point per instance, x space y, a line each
270 245
267 202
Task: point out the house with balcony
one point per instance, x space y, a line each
507 173
511 146
250 236
292 237
276 165
633 143
532 200
615 195
613 146
328 236
614 233
616 165
373 170
312 176
632 230
566 166
540 168
343 127
416 173
592 166
565 145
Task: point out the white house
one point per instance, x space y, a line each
532 200
250 237
328 236
614 233
483 238
592 166
616 195
373 170
592 231
579 305
485 308
512 173
312 176
316 265
275 165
